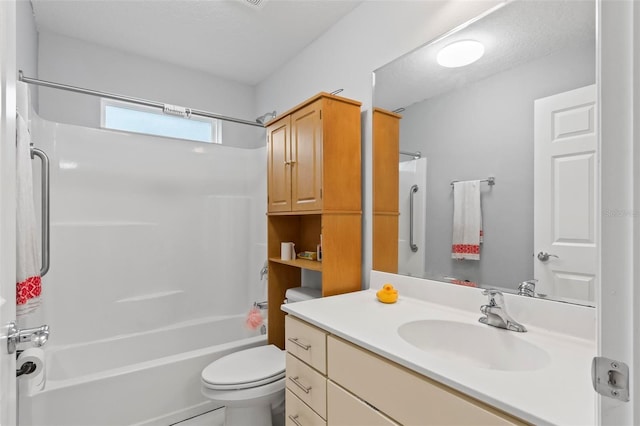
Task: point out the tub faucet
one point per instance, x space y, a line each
527 288
496 313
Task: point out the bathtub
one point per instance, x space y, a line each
150 378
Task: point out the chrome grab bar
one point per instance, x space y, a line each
412 191
44 159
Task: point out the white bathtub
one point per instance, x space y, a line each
150 378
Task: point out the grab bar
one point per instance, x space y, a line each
44 159
413 190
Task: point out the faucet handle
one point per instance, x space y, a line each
495 296
527 288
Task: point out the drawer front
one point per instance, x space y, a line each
307 343
403 395
299 414
344 409
307 384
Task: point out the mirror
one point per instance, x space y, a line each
521 121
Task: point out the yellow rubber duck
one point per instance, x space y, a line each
387 294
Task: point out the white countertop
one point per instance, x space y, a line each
558 393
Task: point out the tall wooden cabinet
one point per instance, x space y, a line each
314 188
386 152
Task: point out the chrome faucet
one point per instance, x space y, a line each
527 288
264 270
496 313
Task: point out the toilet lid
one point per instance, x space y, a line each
245 369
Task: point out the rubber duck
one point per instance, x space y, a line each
387 294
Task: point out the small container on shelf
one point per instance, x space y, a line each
309 255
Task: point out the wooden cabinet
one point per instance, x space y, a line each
314 157
295 160
386 149
360 387
314 188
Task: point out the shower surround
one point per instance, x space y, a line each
147 234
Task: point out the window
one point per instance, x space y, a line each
130 117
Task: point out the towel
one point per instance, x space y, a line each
29 285
467 220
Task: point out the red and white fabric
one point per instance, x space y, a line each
467 221
29 285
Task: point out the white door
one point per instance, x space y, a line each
565 195
7 207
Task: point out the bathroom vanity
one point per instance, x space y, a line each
354 360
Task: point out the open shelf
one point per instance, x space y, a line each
313 265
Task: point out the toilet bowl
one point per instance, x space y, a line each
249 383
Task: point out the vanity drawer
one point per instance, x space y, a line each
307 384
344 409
307 343
406 396
299 414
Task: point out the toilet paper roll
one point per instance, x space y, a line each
35 380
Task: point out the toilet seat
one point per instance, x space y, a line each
245 369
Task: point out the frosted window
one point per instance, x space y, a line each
131 118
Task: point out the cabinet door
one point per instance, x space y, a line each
279 165
306 148
344 409
404 395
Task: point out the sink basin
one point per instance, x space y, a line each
476 345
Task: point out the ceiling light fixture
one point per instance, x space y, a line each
460 53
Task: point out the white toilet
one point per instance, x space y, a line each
251 383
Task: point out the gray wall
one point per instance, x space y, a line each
483 129
88 65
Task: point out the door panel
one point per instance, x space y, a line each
279 166
306 148
566 194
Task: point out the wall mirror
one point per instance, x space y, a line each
521 120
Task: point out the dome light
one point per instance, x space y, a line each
460 53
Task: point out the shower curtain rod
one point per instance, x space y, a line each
416 155
171 109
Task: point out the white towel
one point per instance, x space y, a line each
467 220
28 286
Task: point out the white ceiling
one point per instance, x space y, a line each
519 32
226 38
